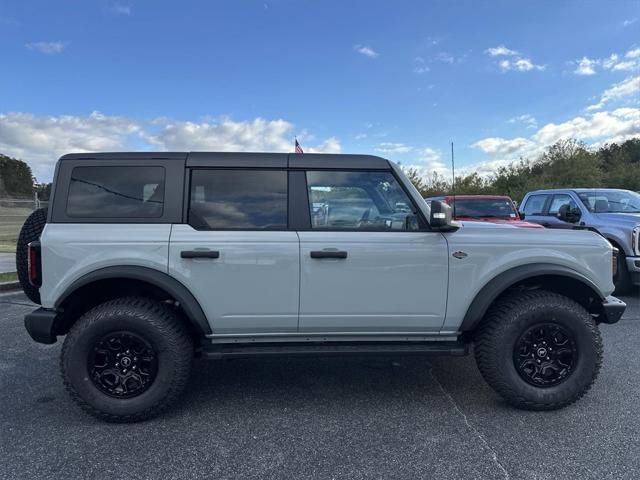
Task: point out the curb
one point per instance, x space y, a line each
9 286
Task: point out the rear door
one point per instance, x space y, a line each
235 254
367 263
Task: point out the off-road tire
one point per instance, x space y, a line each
504 324
153 321
622 279
30 232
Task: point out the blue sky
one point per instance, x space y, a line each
400 79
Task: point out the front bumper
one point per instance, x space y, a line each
612 310
40 325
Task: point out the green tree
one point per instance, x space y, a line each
15 177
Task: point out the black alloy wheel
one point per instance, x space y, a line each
545 355
122 364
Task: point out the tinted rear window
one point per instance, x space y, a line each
238 200
116 192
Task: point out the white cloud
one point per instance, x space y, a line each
586 66
614 62
617 125
629 22
366 51
120 8
500 50
420 66
517 63
446 57
525 119
635 53
225 135
596 129
626 88
49 48
502 146
330 145
40 140
392 148
431 162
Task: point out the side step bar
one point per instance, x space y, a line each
218 351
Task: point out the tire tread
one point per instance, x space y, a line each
497 319
172 328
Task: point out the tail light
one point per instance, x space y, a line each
34 264
614 261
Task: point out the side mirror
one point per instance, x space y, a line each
521 215
568 214
441 217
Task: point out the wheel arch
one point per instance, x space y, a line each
555 278
111 282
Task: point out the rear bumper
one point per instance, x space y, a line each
612 310
40 325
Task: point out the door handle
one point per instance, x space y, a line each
199 254
328 254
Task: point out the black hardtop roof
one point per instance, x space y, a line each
245 159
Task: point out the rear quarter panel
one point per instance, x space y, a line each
70 251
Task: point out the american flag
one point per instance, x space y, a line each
298 147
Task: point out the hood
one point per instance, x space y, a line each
625 219
503 221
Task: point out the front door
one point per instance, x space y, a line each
367 264
236 255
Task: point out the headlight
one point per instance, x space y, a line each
635 240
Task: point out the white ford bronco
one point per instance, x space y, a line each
147 260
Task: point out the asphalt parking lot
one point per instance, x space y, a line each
321 418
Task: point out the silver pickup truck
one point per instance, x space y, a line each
613 213
147 260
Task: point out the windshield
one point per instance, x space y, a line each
484 208
611 201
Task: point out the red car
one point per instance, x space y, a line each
485 208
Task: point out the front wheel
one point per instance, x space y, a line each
127 359
539 350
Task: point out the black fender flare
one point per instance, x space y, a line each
501 282
173 287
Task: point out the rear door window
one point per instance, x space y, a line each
240 199
116 192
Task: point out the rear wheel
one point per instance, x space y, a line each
127 360
30 232
539 350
